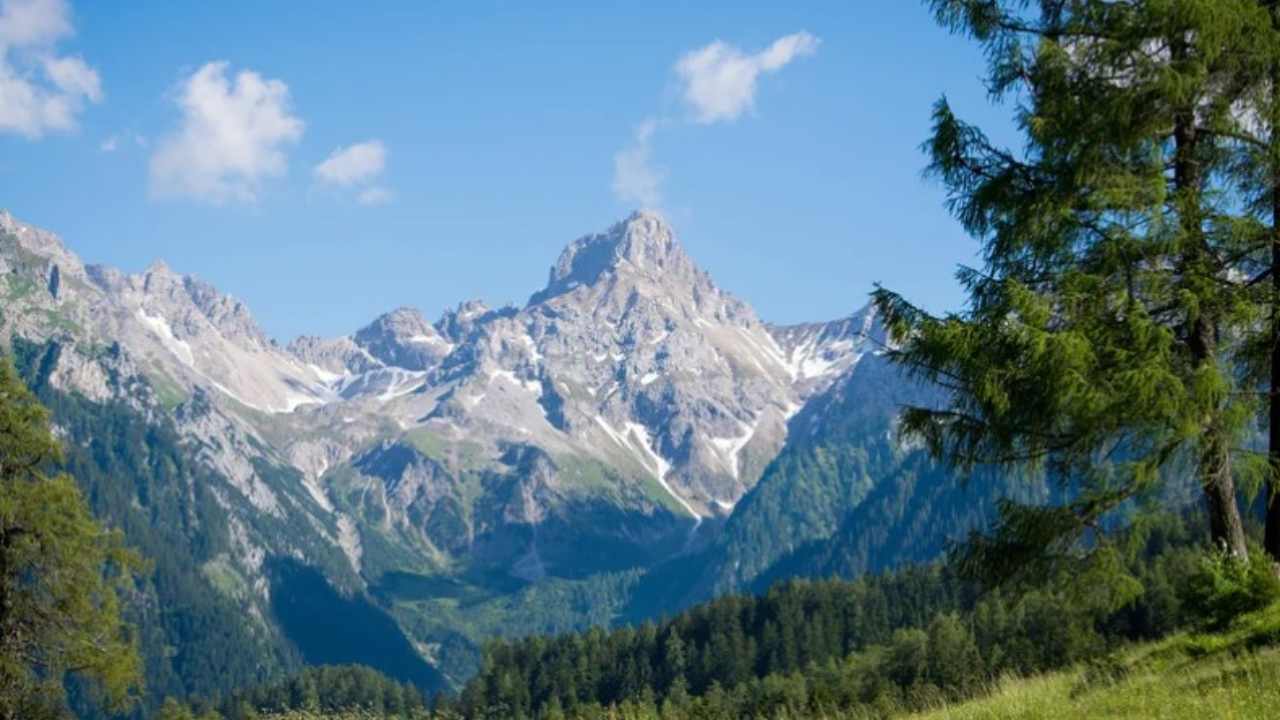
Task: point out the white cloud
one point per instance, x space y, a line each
231 138
353 164
110 144
40 91
719 84
376 195
719 80
32 23
357 166
635 180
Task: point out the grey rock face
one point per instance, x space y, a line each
456 324
819 353
627 401
403 338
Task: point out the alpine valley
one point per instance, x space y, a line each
631 440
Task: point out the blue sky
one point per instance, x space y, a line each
487 136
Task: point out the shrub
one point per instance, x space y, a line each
1226 586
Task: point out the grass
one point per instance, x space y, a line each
168 393
1234 674
428 443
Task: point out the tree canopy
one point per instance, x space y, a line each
1105 335
61 575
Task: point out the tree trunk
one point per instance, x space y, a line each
1272 539
1226 529
1225 526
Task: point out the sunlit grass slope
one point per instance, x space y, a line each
1233 674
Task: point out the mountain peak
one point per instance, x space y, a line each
403 338
456 324
402 315
642 243
41 242
159 267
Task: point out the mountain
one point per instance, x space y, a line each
497 471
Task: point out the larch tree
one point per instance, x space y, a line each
61 575
1256 139
1101 337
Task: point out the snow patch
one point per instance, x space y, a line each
325 376
637 440
534 354
295 400
815 366
435 340
401 382
532 386
159 327
730 447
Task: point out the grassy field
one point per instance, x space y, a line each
1234 674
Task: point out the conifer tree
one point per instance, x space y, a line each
1257 139
1099 341
60 575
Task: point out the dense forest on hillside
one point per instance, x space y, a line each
139 478
892 640
877 646
196 632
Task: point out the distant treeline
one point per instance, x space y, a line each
827 648
897 640
329 689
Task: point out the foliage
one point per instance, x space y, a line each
903 640
329 689
1233 673
1228 586
61 574
173 710
1173 678
839 456
1117 263
138 477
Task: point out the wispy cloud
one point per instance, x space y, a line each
40 90
635 179
354 163
719 80
231 138
359 166
110 144
376 195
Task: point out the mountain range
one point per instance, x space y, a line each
630 440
